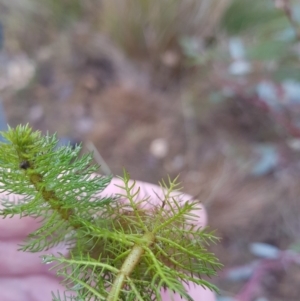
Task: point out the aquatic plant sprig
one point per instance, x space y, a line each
121 247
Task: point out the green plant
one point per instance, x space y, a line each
270 32
117 249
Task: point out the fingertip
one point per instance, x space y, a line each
156 194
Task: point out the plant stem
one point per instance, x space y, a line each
129 264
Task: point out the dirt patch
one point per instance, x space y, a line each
94 94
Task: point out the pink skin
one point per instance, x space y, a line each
24 278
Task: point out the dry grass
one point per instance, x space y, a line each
151 27
146 28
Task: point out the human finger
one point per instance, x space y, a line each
16 226
35 287
156 194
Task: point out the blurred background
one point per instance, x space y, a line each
208 89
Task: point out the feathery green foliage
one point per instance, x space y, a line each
121 248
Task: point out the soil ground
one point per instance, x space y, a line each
92 93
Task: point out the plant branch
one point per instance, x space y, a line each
129 264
